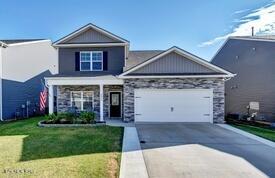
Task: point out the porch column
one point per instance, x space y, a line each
101 102
51 99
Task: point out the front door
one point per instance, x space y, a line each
115 104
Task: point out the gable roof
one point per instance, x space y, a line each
15 42
218 70
260 38
138 56
86 27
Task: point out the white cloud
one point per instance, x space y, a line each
241 11
262 19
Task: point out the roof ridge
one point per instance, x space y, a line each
259 37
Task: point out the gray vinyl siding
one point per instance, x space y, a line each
91 36
253 62
67 60
173 63
16 94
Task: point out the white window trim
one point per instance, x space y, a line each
81 100
91 60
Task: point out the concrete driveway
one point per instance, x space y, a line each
203 150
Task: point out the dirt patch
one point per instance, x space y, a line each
113 165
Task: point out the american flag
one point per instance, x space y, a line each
43 97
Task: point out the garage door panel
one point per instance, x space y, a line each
173 105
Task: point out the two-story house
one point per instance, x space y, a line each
252 59
98 72
23 65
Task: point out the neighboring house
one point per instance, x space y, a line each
253 60
23 66
98 72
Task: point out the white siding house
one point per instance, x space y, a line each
23 64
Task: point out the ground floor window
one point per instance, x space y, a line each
82 100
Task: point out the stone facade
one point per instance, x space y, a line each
64 92
64 97
204 83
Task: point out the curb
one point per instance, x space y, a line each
249 135
132 161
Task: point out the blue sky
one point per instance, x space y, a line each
198 26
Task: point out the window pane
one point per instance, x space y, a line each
87 96
97 65
85 66
76 96
97 56
77 105
115 99
85 56
87 106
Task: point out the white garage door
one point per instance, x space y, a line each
165 105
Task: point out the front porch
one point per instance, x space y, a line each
103 96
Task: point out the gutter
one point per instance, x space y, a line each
226 76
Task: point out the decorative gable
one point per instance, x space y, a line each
88 35
91 36
173 63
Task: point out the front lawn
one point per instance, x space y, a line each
259 131
30 151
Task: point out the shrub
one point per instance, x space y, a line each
87 117
65 117
51 117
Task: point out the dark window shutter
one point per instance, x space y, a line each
77 61
105 60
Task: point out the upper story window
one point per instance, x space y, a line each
91 60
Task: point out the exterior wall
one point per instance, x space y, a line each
1 109
173 63
253 62
23 68
67 60
64 100
91 36
216 84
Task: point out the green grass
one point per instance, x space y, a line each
259 131
58 152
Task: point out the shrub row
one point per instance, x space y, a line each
71 118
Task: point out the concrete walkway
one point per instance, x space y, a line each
132 162
119 123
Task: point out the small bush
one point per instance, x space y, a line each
65 117
51 117
87 117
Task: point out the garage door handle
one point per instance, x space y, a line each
206 114
137 114
206 97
